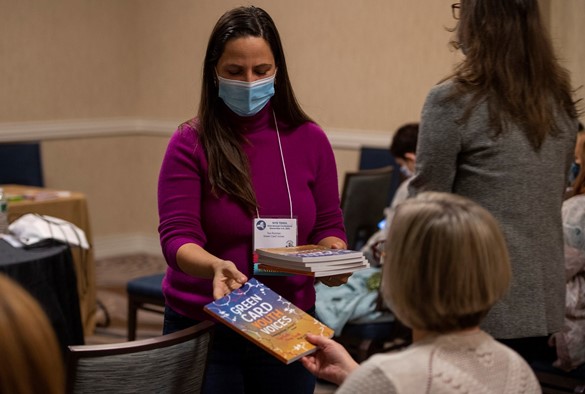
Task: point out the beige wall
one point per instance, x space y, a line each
101 58
66 59
357 65
362 67
568 31
118 174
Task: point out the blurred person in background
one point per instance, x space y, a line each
403 149
576 166
570 341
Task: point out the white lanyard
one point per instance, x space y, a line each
276 232
283 168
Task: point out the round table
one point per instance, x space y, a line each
48 274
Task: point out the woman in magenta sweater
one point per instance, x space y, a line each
251 154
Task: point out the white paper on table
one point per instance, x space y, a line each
12 240
33 228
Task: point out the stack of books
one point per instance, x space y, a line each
311 260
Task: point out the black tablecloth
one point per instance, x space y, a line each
49 275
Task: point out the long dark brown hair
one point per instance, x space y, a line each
229 170
510 64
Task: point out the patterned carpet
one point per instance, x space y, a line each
112 274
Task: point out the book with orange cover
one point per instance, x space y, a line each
267 319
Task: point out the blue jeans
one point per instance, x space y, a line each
237 366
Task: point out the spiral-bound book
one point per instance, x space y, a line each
267 319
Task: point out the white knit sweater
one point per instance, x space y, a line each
471 362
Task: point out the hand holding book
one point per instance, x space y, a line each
335 280
197 262
267 319
226 278
331 362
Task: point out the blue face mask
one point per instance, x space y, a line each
246 98
574 172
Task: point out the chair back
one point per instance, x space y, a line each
364 197
173 363
20 163
371 158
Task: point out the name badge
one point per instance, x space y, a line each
275 232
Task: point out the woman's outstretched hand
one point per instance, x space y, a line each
330 362
334 280
226 278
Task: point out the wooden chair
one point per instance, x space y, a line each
364 197
144 293
173 363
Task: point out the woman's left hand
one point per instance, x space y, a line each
331 361
226 278
334 280
333 243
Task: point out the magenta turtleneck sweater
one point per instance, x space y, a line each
189 213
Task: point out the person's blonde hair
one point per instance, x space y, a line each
446 263
31 358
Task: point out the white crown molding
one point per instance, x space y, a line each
81 128
106 127
355 139
126 244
